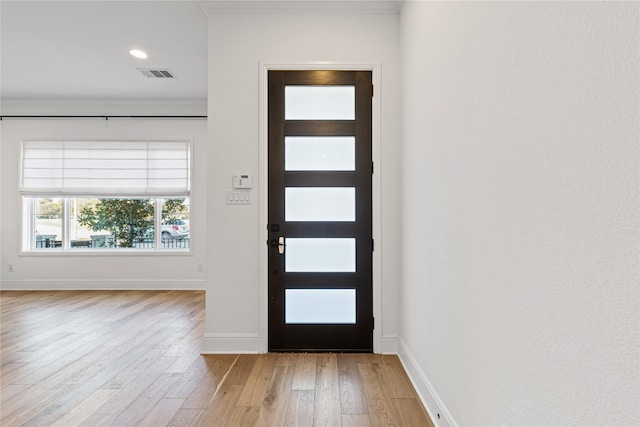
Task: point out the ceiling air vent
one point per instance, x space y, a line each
156 73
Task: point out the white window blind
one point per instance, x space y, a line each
119 168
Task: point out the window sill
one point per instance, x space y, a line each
104 252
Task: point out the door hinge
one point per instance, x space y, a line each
373 245
372 168
372 90
373 323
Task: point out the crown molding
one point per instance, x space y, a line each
301 6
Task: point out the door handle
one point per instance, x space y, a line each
278 244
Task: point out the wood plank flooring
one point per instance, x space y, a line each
132 358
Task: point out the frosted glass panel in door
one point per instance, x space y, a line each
319 103
320 204
320 153
320 255
320 306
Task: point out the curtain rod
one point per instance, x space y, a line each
106 117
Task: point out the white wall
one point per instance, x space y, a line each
238 44
520 205
80 270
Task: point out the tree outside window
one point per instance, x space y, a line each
129 221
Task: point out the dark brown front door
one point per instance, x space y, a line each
320 225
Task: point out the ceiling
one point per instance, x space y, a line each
63 50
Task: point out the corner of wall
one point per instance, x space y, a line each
436 408
389 344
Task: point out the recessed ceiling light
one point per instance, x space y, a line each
138 53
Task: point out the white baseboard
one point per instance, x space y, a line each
101 285
390 344
436 408
230 344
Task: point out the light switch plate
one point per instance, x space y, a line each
238 197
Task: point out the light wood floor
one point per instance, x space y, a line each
132 358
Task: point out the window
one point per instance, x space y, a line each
106 195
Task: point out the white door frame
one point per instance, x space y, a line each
376 206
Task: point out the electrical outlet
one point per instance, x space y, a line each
11 270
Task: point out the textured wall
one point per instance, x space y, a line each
520 209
